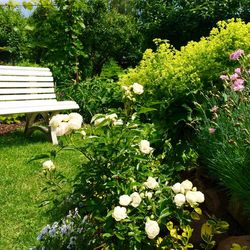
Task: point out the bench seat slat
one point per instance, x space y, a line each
14 72
26 103
35 109
3 67
27 91
27 97
26 78
25 84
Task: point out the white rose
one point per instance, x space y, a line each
75 116
136 199
56 120
191 197
124 200
83 133
118 122
179 200
48 165
137 88
149 195
199 196
176 187
144 146
151 183
65 117
119 213
75 124
98 121
152 229
63 129
112 117
187 185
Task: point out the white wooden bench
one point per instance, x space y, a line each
30 91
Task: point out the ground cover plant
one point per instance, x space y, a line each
21 183
223 138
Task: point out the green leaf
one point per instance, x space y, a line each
39 157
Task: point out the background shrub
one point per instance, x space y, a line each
173 77
93 96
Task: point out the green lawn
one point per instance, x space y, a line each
21 182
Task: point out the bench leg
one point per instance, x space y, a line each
30 119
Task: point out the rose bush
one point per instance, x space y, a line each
123 189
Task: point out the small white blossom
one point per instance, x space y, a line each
152 229
99 121
112 117
124 200
176 187
187 185
136 199
194 197
118 122
83 133
179 199
119 213
149 195
144 146
137 88
151 183
48 165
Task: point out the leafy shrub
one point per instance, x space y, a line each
11 119
223 137
111 70
93 96
172 77
123 195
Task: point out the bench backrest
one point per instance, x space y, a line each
26 83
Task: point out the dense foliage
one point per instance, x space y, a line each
172 77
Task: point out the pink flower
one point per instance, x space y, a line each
234 77
224 77
237 71
211 130
235 55
238 85
214 109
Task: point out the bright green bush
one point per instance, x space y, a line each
172 77
223 135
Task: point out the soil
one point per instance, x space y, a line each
7 128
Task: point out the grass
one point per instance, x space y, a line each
21 183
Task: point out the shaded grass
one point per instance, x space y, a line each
21 183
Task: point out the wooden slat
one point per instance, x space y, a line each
24 68
26 84
14 72
25 78
27 97
26 103
65 105
27 91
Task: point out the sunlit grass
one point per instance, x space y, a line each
21 183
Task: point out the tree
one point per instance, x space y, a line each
183 20
12 34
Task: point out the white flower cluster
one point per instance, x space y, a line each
125 200
152 228
185 192
113 118
63 124
135 88
48 165
144 147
